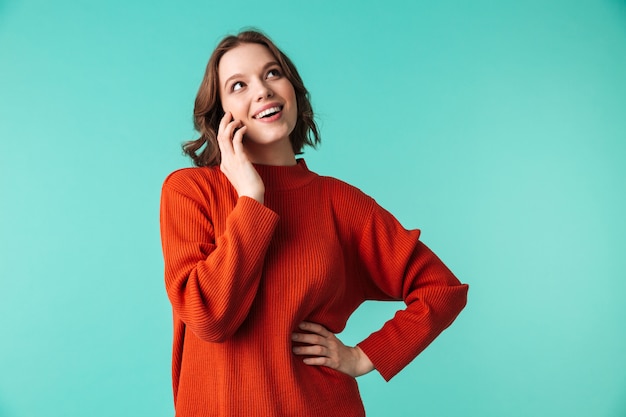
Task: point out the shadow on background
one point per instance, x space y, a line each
621 5
4 7
620 410
3 411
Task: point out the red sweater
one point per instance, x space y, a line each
242 275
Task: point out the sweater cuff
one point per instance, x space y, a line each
253 222
261 213
378 351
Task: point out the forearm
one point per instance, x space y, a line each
399 266
212 285
434 298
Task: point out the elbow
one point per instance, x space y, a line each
213 336
210 325
440 305
212 330
452 301
210 319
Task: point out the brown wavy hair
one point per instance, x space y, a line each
208 110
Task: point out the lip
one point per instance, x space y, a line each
267 106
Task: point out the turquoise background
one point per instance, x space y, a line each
498 128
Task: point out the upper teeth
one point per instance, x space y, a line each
268 111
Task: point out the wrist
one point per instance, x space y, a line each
255 195
363 365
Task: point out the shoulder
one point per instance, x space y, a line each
196 180
197 175
346 196
184 176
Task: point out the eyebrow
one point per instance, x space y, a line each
238 75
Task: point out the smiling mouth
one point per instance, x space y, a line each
268 112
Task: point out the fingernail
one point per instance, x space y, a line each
294 336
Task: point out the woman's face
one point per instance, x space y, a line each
254 89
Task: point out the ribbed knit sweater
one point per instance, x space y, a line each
242 275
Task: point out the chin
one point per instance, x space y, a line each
266 139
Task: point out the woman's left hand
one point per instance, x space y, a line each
325 349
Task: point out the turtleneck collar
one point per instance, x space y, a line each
281 177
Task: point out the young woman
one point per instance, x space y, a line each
265 260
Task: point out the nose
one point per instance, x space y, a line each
264 91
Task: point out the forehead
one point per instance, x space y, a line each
243 59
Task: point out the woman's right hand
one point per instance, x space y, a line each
235 162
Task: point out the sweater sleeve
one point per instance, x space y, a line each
399 266
212 281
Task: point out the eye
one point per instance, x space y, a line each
273 73
236 86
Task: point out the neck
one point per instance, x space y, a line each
278 154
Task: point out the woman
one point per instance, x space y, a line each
265 260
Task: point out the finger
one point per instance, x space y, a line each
226 119
321 361
315 328
315 350
310 339
225 137
238 139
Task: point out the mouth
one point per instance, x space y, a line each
269 112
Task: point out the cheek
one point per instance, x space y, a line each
233 106
292 97
295 109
